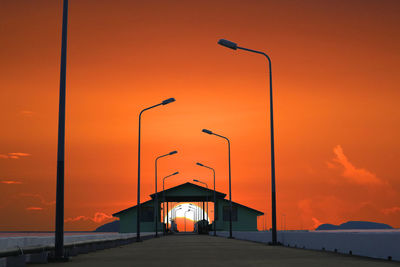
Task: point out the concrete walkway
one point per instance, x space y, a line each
195 250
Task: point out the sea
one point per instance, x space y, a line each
46 233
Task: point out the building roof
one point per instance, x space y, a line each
240 205
131 208
187 192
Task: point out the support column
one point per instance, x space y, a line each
167 218
204 217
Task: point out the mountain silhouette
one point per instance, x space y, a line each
109 227
354 225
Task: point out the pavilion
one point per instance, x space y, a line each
243 218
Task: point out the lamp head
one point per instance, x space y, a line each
194 180
207 131
228 44
173 152
167 101
175 173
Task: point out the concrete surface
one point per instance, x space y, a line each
29 241
374 244
195 250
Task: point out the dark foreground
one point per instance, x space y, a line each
195 250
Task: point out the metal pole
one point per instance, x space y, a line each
215 223
164 201
165 102
167 217
230 187
138 187
156 201
203 212
230 191
185 219
163 210
234 46
273 191
138 179
59 233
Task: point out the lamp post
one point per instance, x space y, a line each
175 173
174 215
176 208
193 210
230 192
59 233
194 207
184 215
198 181
165 102
234 46
215 199
156 212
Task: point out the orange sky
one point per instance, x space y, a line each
335 75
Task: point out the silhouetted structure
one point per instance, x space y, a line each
243 218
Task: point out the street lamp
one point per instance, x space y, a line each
234 46
189 209
175 173
194 207
194 180
215 199
230 192
195 213
185 217
174 215
59 233
156 212
165 102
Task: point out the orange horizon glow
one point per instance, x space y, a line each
336 90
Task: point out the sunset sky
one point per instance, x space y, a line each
336 79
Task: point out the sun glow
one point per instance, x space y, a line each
189 211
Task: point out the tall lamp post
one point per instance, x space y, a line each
184 215
165 102
198 181
215 199
156 212
234 46
175 210
194 207
189 209
59 233
175 173
230 192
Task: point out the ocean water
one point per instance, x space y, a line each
358 231
42 233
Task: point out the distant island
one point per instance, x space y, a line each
109 227
352 225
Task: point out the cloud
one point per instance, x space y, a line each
316 222
34 208
17 155
97 218
14 155
10 182
353 174
389 211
